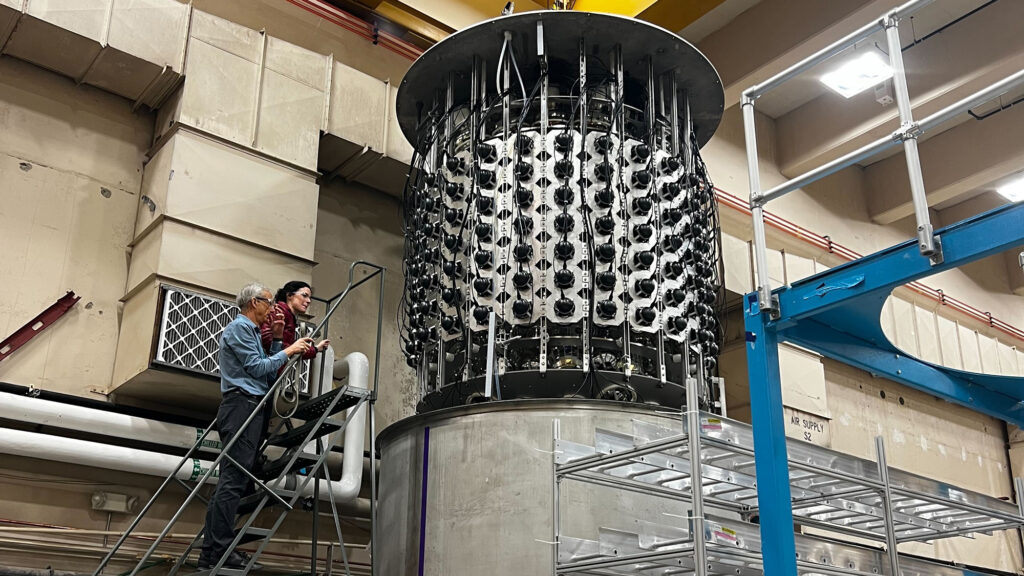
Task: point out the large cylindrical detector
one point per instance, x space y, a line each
561 228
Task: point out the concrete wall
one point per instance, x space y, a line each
70 173
293 24
357 223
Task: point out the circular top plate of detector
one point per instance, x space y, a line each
671 56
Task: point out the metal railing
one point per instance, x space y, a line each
280 381
907 134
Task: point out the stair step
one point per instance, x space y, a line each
275 468
251 535
315 407
249 503
297 436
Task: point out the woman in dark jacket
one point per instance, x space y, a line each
292 299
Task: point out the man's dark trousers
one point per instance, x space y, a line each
232 484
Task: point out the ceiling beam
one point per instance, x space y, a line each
956 164
775 34
629 8
965 58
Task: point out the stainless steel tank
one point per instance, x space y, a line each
469 490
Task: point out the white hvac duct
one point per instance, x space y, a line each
99 455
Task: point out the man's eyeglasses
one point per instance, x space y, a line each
268 301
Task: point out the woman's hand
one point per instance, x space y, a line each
299 347
276 322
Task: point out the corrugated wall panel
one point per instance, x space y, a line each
949 343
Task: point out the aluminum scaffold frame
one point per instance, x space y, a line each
831 491
836 313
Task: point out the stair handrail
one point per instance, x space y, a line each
290 365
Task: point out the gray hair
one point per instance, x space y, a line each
250 291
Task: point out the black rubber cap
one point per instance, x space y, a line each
645 287
605 280
522 252
564 223
604 225
522 280
644 259
606 309
605 252
564 307
483 259
646 315
564 250
522 308
563 141
483 286
640 153
564 279
642 205
480 313
564 195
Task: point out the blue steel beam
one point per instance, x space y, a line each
846 300
972 239
772 462
894 365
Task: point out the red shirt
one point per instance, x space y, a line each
288 336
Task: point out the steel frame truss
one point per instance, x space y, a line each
836 313
829 490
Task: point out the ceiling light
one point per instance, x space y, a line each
865 70
1012 190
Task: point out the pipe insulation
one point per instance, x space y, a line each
354 366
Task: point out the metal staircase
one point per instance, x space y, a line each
278 481
288 460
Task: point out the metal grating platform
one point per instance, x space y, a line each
829 490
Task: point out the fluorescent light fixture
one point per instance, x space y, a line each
867 69
1012 190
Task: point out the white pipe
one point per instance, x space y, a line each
109 457
71 417
57 414
357 367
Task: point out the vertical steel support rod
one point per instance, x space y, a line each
585 333
476 102
489 372
650 115
1018 488
772 463
890 530
542 360
315 536
925 233
373 431
555 507
764 289
700 554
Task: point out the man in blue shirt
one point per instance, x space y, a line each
246 374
